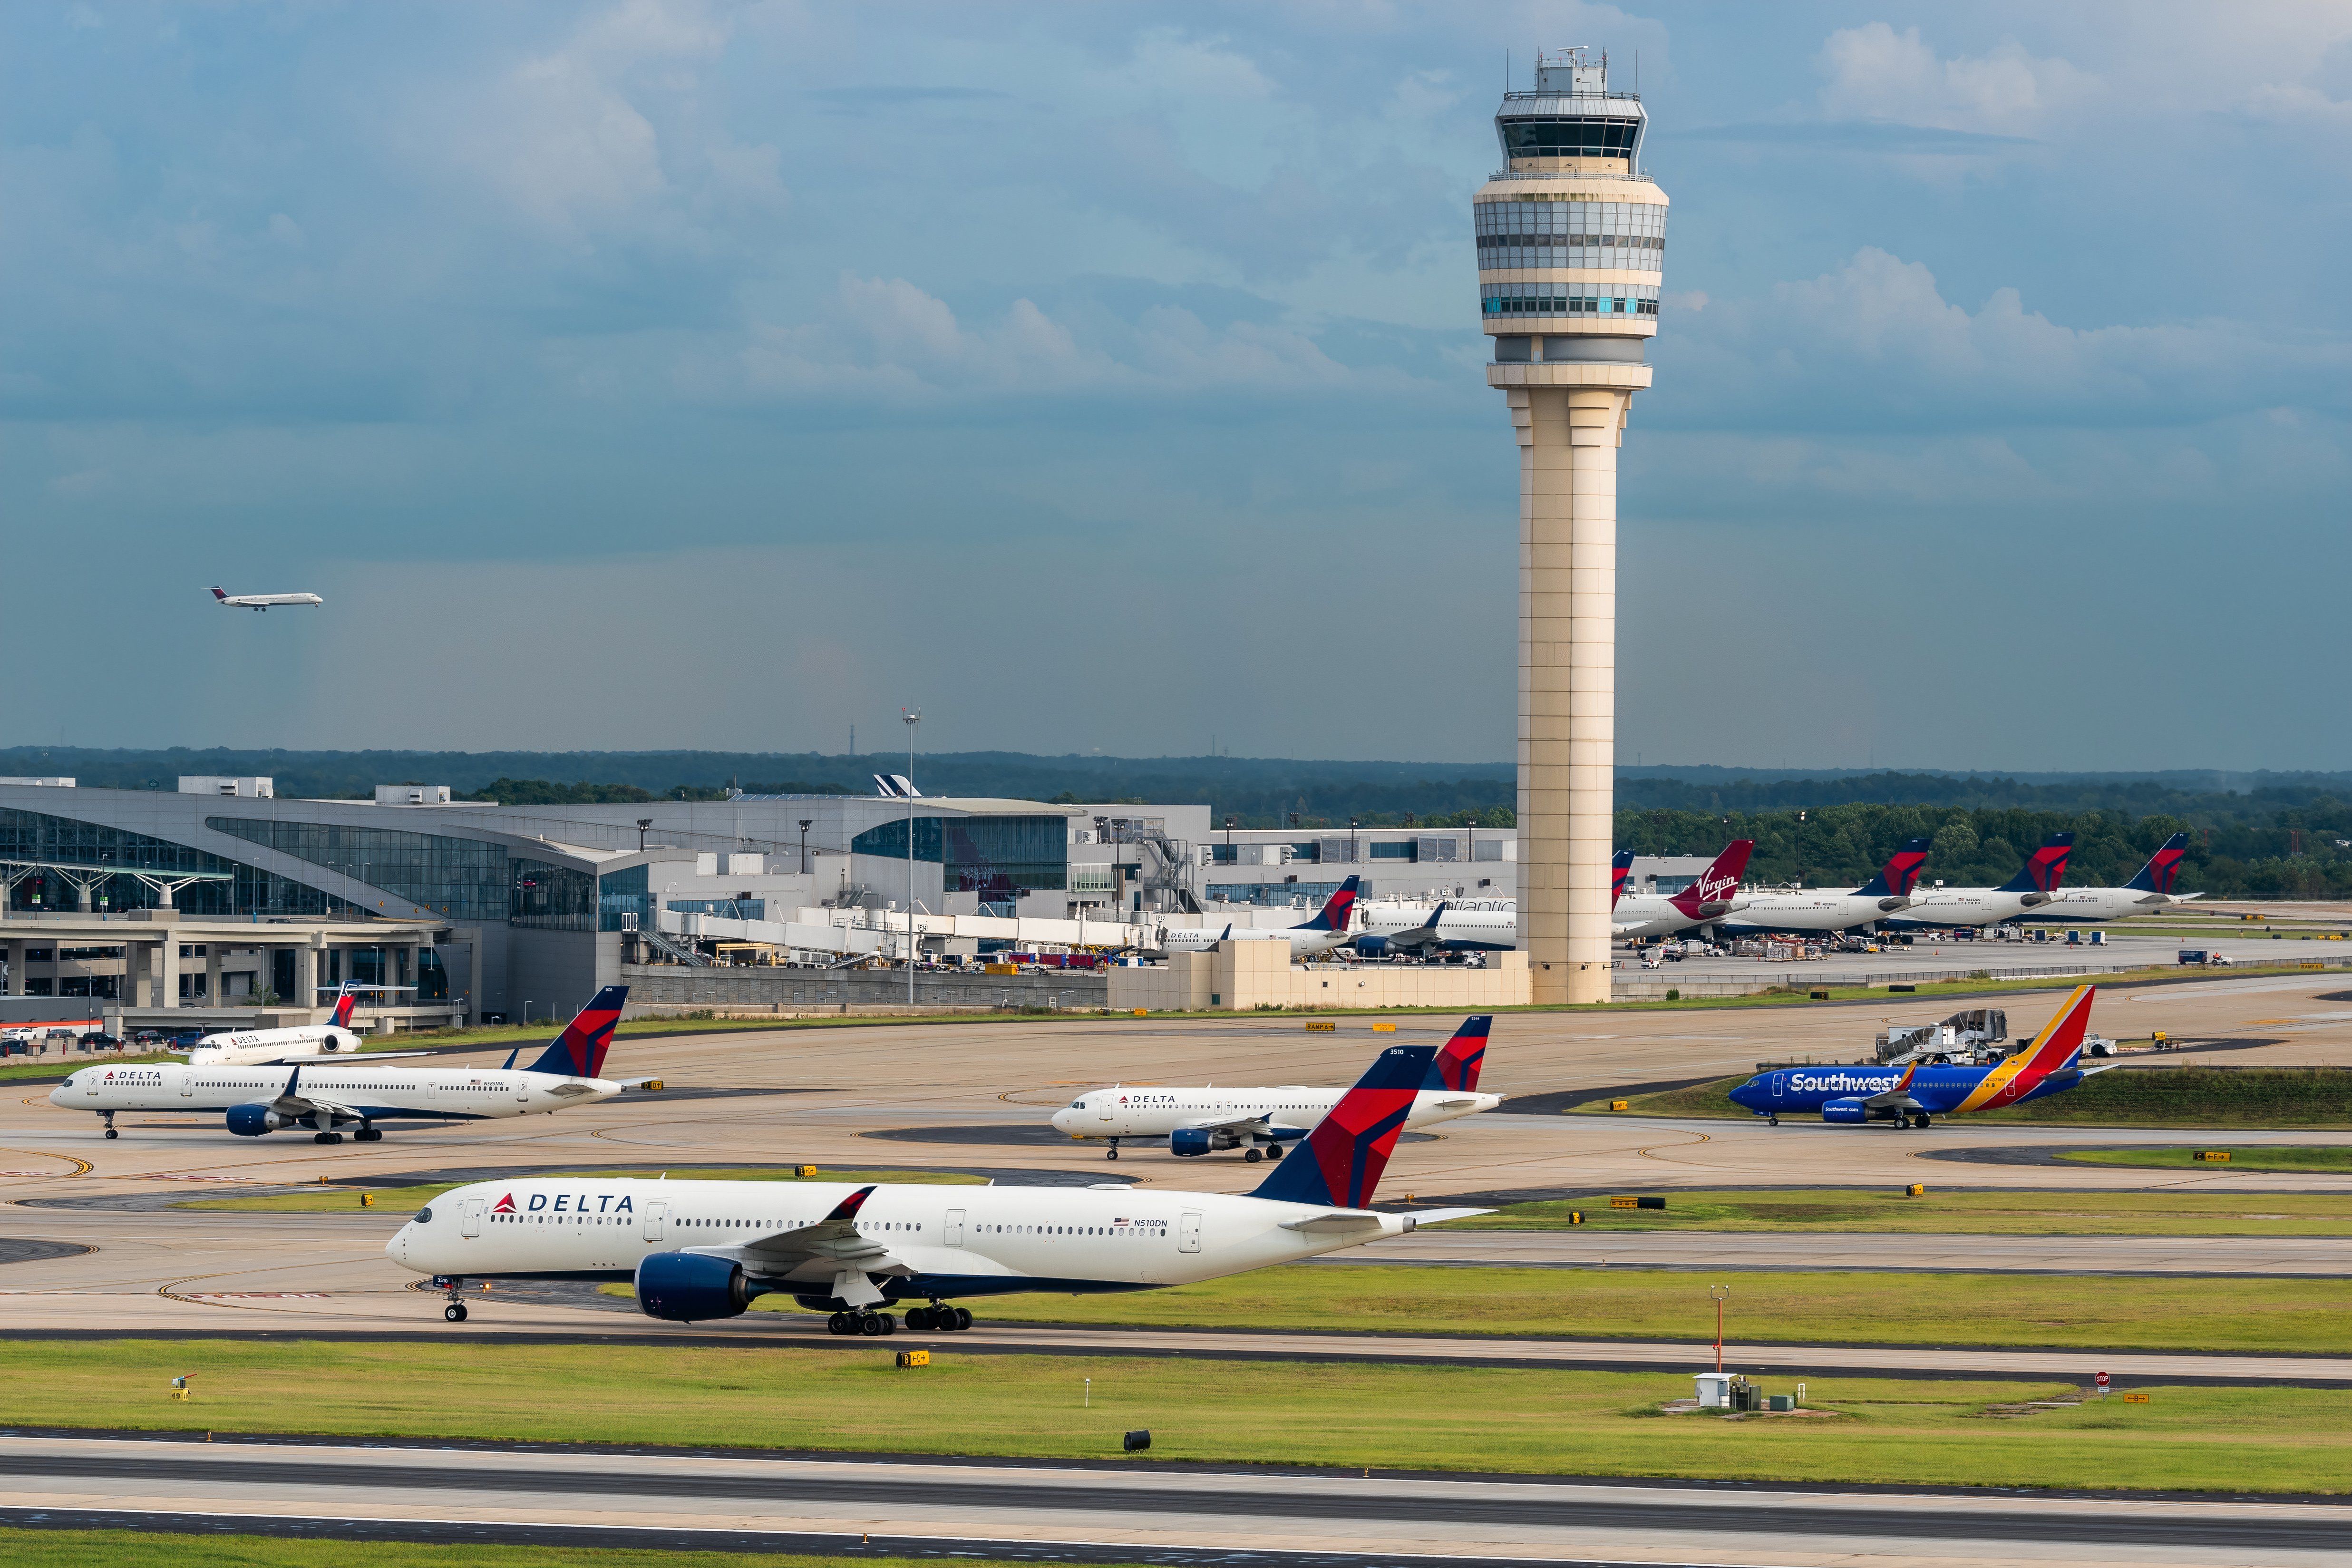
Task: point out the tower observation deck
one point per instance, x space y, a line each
1571 242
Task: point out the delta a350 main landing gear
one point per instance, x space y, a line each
939 1319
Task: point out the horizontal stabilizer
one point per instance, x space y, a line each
1420 1217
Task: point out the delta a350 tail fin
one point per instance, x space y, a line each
579 1052
1900 874
2044 868
2162 868
1340 1162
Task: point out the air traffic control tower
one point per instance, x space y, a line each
1571 234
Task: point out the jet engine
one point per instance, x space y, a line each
691 1288
1373 947
1850 1108
1188 1140
253 1121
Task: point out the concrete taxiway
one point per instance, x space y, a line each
982 1508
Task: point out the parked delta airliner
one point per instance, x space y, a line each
1395 928
264 601
302 1043
1259 1121
325 1096
2148 891
2034 885
1823 909
1326 930
700 1250
1909 1096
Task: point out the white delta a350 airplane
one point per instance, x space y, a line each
263 601
325 1096
696 1251
1259 1121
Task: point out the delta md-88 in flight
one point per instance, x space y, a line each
1259 1121
263 601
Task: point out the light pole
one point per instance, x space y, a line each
642 823
913 720
807 823
1718 1292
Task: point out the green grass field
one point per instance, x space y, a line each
2336 1159
2085 1312
1798 1210
139 1549
2187 1097
333 1199
1436 1418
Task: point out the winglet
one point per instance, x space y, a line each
507 1066
846 1209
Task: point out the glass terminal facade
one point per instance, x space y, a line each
463 879
991 856
61 840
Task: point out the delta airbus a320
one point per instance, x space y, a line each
1911 1096
694 1251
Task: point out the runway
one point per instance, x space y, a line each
972 1505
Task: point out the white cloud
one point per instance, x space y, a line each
1877 73
884 337
1875 343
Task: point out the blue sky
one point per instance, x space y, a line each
659 375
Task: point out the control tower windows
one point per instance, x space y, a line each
1571 234
1571 299
1578 138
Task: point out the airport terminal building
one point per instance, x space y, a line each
477 906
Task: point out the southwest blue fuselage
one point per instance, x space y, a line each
1838 1093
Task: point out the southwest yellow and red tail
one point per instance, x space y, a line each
2049 1052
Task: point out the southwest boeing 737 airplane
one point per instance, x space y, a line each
1910 1096
700 1250
1259 1121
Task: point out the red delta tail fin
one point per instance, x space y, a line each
1620 870
345 1000
1340 1162
2044 868
579 1052
1334 914
1461 1059
1716 885
1900 874
217 593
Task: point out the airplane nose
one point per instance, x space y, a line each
397 1247
57 1095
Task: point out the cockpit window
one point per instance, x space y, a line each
424 1216
1077 1105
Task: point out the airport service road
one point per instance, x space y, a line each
2325 1257
745 1503
1933 956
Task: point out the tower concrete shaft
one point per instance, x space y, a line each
1571 238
